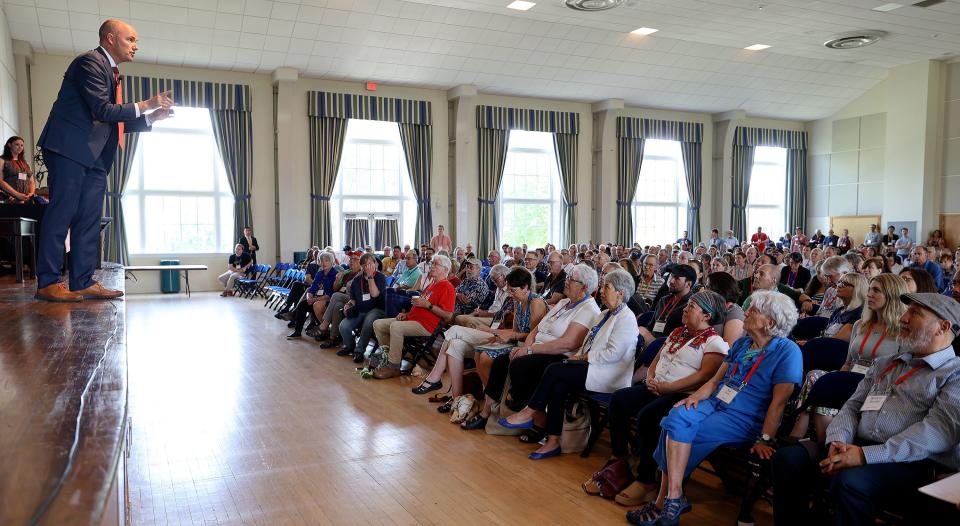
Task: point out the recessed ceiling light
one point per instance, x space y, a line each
521 5
887 7
644 31
756 47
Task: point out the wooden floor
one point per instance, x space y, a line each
63 401
233 424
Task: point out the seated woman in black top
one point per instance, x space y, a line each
17 184
367 297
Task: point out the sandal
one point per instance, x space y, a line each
533 435
477 422
427 386
635 494
648 515
446 407
591 487
439 398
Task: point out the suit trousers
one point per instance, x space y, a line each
76 204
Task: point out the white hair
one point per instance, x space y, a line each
443 260
586 275
622 281
499 270
836 266
778 307
327 256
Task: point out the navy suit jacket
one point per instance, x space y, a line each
82 125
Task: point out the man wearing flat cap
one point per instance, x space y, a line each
898 432
668 313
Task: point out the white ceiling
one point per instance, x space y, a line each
694 63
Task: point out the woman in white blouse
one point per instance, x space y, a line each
691 355
604 363
559 334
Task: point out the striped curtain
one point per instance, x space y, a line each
526 119
492 149
368 107
795 200
233 131
796 197
356 232
565 145
742 170
326 147
629 161
692 153
417 143
115 239
386 232
195 94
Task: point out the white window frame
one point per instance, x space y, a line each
218 193
554 201
337 197
782 206
680 206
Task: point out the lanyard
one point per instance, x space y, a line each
752 369
877 345
903 377
669 310
593 332
570 306
792 277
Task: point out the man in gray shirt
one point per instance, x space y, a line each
904 245
896 433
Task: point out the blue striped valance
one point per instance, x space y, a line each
794 140
497 118
193 93
637 128
347 106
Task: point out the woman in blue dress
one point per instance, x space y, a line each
741 405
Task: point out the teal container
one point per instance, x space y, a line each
170 279
299 256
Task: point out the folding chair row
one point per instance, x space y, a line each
248 287
277 294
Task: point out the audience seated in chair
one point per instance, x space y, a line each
366 305
741 405
460 341
317 296
332 314
899 430
482 317
434 305
237 266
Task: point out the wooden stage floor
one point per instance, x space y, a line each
233 424
63 402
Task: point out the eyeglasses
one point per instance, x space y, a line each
571 280
843 285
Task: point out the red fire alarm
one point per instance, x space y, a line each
371 86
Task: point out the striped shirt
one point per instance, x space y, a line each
648 291
920 418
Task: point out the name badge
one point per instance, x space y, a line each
495 325
860 368
873 403
727 394
320 292
22 176
659 326
366 297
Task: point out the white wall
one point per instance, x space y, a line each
9 114
950 183
849 151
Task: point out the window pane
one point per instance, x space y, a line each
372 177
525 223
660 203
183 179
529 194
765 204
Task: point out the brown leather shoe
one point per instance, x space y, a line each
57 293
99 292
387 372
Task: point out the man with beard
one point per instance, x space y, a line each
899 430
668 314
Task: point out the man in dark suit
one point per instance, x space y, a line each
250 246
79 143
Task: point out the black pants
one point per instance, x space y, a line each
857 494
296 292
648 409
560 381
524 372
300 315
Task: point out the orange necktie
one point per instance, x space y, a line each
119 99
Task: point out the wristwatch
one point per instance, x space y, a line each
529 350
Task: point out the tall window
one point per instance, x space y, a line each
660 204
768 187
372 181
178 200
530 197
